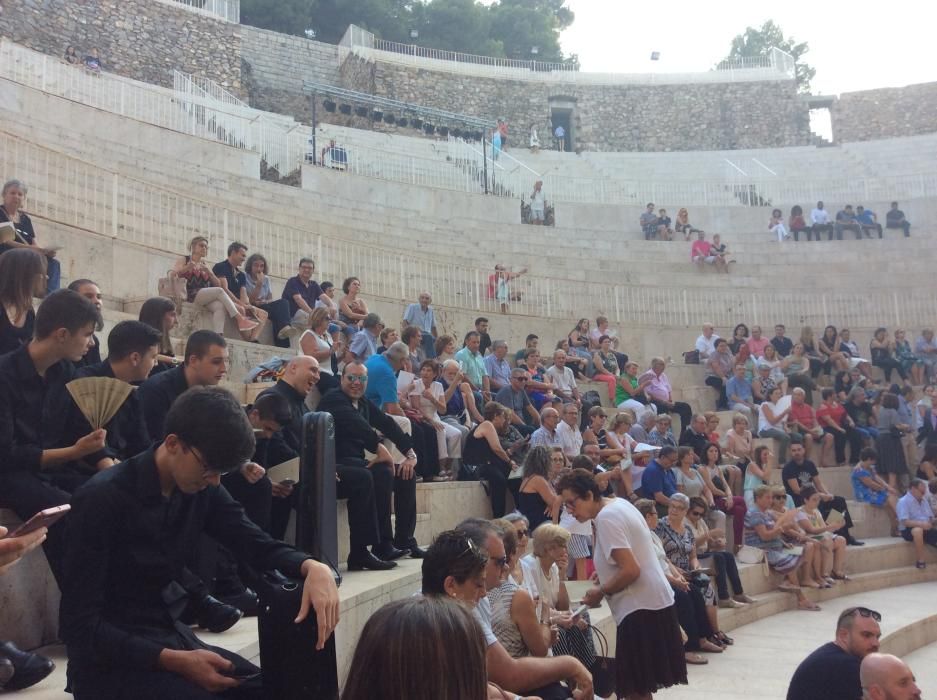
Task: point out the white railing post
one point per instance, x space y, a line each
478 289
894 296
403 278
115 184
686 310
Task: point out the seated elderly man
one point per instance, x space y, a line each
564 383
886 677
568 431
805 427
547 435
718 371
497 366
366 343
423 317
916 519
740 394
473 364
706 343
831 672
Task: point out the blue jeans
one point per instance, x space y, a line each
429 347
868 432
54 271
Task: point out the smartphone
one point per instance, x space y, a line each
580 610
288 482
44 518
242 674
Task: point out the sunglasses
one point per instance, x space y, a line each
779 498
360 378
522 533
696 513
861 612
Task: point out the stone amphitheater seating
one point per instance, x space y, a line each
72 154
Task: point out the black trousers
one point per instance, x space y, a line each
257 501
691 611
809 231
363 488
26 493
680 408
717 383
906 226
135 684
838 503
427 449
818 228
727 572
279 311
496 474
852 437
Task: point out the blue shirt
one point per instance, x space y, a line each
656 479
741 389
363 345
909 508
424 320
473 365
382 384
867 217
498 370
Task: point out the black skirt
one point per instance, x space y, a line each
890 454
649 652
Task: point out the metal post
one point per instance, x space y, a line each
314 123
485 158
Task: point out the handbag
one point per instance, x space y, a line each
753 555
173 287
603 668
691 357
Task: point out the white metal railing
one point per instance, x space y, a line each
228 10
124 208
776 65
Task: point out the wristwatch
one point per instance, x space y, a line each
411 454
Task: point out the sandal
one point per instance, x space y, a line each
693 658
725 639
789 587
811 584
808 605
711 647
840 577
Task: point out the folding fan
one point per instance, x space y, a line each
99 398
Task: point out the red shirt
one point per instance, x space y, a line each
836 412
804 414
758 346
700 248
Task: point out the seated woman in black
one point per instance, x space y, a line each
482 449
537 500
14 194
160 313
22 276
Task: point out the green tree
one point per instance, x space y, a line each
757 42
285 16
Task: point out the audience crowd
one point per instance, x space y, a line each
658 519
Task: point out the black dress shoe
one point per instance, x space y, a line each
6 672
417 553
853 542
387 552
215 616
28 668
366 560
245 601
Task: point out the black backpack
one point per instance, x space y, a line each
589 399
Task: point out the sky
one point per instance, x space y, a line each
616 36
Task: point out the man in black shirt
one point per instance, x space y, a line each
32 399
895 219
357 422
832 671
90 291
130 530
206 362
695 437
800 472
481 326
781 342
132 347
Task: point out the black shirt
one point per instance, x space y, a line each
157 395
235 278
805 473
893 217
24 228
30 409
484 343
12 337
697 441
309 292
355 427
829 673
127 433
782 345
292 433
126 549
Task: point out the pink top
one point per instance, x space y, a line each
659 388
700 248
757 347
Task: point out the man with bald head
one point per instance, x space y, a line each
300 375
832 671
546 435
886 677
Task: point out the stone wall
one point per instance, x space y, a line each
139 39
885 113
703 116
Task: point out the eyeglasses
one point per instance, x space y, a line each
696 513
500 561
861 612
360 378
779 498
207 470
519 379
522 533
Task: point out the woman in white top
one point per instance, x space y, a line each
772 421
774 362
427 396
316 342
617 437
649 652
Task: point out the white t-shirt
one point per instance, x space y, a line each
482 612
763 423
573 526
544 591
706 346
619 525
423 404
563 381
570 439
